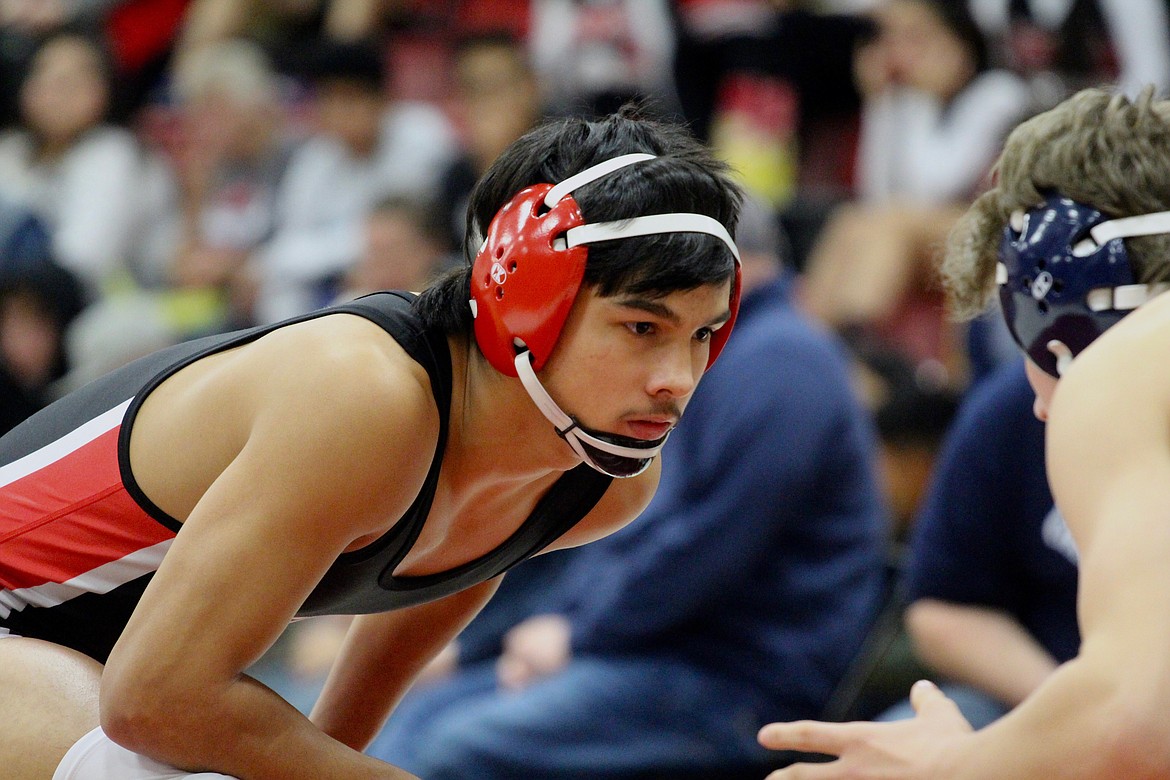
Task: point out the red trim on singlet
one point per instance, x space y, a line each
71 516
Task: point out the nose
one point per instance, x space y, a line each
676 372
1040 409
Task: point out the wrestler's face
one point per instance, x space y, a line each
628 364
1044 385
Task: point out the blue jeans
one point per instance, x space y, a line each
977 707
598 716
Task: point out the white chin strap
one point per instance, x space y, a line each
567 427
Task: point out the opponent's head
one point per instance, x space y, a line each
1075 233
618 206
1065 277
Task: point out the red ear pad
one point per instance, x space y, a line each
719 337
524 287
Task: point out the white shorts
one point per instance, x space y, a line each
96 757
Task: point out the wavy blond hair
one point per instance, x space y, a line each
1096 147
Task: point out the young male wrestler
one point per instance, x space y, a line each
388 458
1076 236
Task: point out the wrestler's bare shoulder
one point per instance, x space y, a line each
337 387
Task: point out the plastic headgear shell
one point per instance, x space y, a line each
529 270
1065 278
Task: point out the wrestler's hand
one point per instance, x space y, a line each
901 750
536 648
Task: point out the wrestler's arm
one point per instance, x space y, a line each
329 453
1101 715
381 656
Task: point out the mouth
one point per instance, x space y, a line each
649 430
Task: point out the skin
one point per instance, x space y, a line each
351 113
398 254
64 94
541 646
498 99
1101 715
979 646
914 47
275 482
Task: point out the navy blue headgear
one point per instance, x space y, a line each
1065 278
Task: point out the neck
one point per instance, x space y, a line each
497 433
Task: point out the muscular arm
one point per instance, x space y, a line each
1101 715
382 655
319 469
978 646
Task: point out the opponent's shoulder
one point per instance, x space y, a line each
1126 362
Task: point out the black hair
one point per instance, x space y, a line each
684 177
360 62
55 290
489 38
911 408
956 15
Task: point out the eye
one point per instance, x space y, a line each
641 328
704 335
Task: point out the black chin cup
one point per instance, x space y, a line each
620 466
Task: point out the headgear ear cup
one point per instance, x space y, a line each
523 285
524 281
1065 278
719 337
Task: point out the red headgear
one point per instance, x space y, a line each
529 270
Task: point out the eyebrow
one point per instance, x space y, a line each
659 309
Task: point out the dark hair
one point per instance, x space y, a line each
54 290
956 15
685 177
360 62
488 38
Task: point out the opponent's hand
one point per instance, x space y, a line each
903 750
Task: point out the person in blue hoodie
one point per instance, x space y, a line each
656 650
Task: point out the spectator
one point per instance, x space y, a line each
912 410
770 84
37 304
138 33
233 152
367 146
761 550
1062 47
595 55
934 117
496 100
90 182
993 570
404 248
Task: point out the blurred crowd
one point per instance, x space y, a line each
174 168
